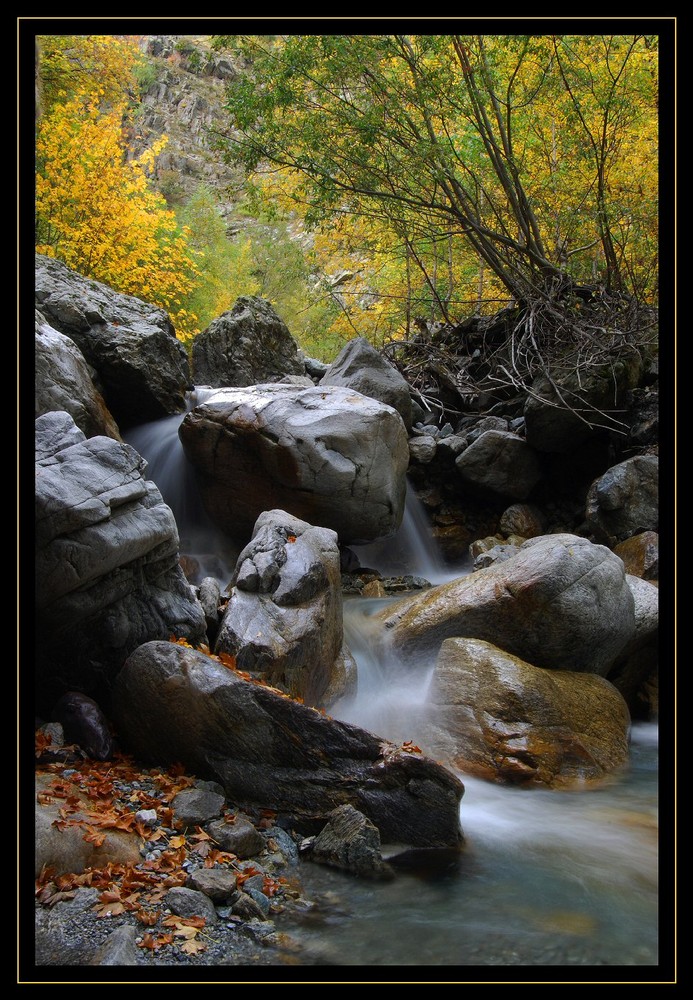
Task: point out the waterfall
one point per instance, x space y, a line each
411 550
208 551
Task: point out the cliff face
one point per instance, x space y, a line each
184 101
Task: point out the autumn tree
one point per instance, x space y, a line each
96 206
437 134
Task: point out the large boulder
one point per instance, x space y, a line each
107 573
283 620
500 463
561 602
174 703
570 407
245 345
496 716
360 367
142 369
328 455
625 500
62 381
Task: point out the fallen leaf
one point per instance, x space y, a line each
177 842
193 947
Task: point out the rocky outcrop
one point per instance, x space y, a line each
361 367
493 715
500 463
174 703
284 620
625 500
564 411
142 369
107 573
62 381
244 346
561 602
327 455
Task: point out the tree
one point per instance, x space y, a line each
96 208
446 133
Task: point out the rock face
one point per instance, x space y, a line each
244 346
360 367
173 703
625 500
561 602
597 394
330 456
284 618
501 463
107 574
505 720
142 369
62 381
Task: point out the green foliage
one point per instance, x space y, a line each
507 147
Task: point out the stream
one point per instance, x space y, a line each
546 878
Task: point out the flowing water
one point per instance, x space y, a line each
546 878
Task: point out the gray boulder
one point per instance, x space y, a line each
284 618
500 463
142 369
350 841
328 455
493 715
564 412
239 838
562 603
107 573
245 345
625 500
62 381
173 703
361 367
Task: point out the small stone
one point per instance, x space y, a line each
146 816
213 882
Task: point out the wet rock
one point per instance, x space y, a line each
562 603
327 455
637 665
498 553
350 841
175 704
245 345
493 715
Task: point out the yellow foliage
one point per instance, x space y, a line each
97 212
